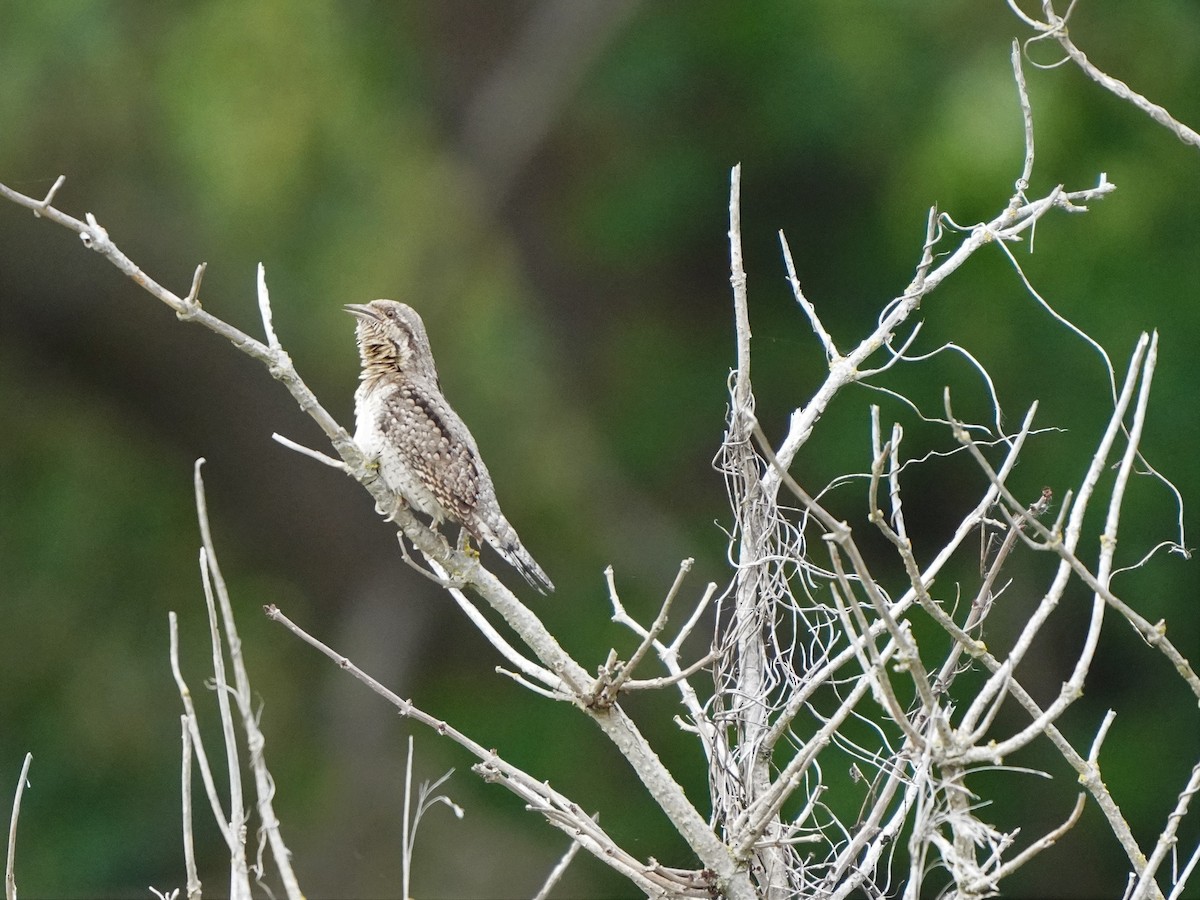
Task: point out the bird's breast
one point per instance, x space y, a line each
388 431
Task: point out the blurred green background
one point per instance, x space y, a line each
547 183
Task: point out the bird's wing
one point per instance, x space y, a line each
423 428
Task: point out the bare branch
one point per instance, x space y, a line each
831 351
409 823
653 684
1155 635
558 687
607 691
197 744
557 872
1055 27
615 724
1167 840
1022 184
1043 843
49 198
189 310
239 871
737 278
1007 226
312 454
557 809
10 877
194 888
264 784
264 307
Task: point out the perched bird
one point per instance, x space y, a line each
424 450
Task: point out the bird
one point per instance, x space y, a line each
424 451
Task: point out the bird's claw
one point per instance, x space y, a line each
464 544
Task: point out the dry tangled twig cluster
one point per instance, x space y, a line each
811 630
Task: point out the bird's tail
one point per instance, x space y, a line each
504 541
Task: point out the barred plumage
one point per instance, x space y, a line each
426 453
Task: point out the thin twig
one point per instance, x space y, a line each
653 684
239 870
264 308
192 300
194 887
1101 734
1007 226
1155 635
831 351
10 876
264 784
703 604
1056 27
1185 874
311 454
557 809
527 666
405 842
557 872
530 686
612 689
1022 184
49 198
189 710
1167 840
737 278
96 238
1045 842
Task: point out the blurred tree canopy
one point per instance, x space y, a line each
547 183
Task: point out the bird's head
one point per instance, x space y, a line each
391 338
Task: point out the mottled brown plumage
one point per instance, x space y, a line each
425 452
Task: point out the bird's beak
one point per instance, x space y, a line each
361 311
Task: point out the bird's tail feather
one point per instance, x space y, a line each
509 546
